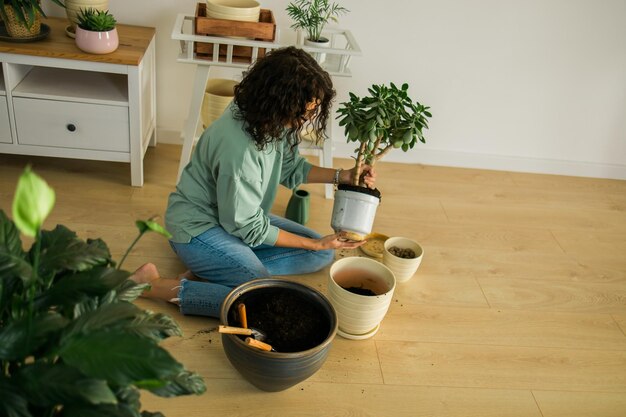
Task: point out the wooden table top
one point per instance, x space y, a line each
134 41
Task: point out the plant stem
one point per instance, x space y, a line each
382 153
359 164
129 249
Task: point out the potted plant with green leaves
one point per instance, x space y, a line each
96 32
385 119
23 17
72 343
73 8
311 16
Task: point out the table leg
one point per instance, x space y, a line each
197 95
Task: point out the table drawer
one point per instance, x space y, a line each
71 125
5 128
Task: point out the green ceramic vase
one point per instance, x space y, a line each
298 207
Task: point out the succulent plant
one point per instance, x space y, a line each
96 20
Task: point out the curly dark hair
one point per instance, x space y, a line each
274 94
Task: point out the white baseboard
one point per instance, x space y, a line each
497 162
471 160
172 137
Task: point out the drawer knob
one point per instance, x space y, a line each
71 127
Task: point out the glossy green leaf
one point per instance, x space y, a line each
77 287
12 258
13 402
62 250
127 358
51 384
185 383
102 410
20 338
130 290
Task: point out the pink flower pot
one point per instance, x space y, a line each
97 42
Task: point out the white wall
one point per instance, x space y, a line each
534 85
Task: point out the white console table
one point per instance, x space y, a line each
338 56
56 100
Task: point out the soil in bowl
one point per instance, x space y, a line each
405 253
292 323
360 281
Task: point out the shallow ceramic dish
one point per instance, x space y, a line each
375 245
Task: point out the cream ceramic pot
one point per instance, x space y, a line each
218 95
359 316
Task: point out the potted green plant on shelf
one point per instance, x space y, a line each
386 119
96 32
72 343
312 16
23 17
73 7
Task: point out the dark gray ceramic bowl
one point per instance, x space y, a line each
277 371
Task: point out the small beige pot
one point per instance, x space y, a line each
402 268
359 316
218 95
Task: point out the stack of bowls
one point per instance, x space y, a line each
242 10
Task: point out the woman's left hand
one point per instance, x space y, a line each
368 176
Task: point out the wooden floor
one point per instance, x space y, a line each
518 308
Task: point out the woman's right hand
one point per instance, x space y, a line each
337 241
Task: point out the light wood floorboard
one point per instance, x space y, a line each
518 308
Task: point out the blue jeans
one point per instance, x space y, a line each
223 261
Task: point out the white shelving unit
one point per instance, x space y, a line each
58 101
5 127
338 56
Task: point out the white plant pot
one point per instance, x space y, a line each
402 268
359 316
218 95
354 212
320 57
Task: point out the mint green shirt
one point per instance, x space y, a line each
230 183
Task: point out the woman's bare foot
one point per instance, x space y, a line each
160 288
145 274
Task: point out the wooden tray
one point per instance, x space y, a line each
263 30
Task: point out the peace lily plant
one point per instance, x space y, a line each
388 118
72 343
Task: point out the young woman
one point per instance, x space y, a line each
219 215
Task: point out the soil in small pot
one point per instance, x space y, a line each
291 322
349 187
405 253
360 291
360 281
